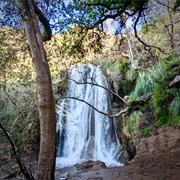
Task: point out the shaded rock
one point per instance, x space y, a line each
64 176
175 82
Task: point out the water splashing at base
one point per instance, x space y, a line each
83 133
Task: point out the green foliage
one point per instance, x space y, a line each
19 115
165 99
174 108
162 27
120 67
146 81
144 85
160 100
131 75
131 128
123 66
147 131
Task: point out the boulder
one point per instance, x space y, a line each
92 165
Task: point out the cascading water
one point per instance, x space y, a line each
83 133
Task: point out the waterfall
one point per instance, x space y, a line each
83 133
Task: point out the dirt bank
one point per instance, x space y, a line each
158 158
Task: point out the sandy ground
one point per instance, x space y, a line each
158 158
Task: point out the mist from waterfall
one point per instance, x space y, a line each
83 133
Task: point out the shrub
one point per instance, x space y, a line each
123 66
147 131
174 109
131 75
144 85
160 100
19 114
146 81
131 128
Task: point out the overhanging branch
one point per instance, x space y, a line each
47 33
100 87
99 111
147 46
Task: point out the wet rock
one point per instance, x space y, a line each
64 176
93 165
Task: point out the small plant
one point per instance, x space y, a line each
131 129
147 131
144 85
123 66
174 109
146 81
131 75
160 97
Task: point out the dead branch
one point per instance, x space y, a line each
147 46
100 87
22 167
99 111
170 24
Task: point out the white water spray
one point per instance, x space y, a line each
83 133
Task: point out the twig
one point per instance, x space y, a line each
101 87
139 39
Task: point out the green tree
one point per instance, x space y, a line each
162 27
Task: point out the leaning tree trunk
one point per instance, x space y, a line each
46 160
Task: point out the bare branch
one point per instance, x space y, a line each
147 47
165 5
99 111
173 23
101 87
121 11
22 167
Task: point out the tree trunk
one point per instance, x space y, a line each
46 160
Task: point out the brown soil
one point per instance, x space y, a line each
157 158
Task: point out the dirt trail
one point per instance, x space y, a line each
158 158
